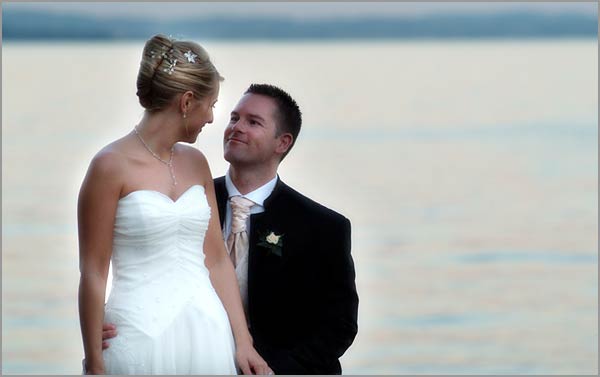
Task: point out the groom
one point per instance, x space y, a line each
291 254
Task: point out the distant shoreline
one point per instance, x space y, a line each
309 40
37 25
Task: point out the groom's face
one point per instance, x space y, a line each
249 138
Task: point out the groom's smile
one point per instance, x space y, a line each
236 140
250 136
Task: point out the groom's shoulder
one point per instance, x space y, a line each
219 182
310 207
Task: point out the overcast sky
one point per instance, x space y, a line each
164 10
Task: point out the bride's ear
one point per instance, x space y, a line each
186 101
285 142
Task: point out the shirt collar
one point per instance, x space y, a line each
258 196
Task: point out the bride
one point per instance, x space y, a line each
148 204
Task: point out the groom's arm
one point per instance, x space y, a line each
337 325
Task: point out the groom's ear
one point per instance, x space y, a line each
284 143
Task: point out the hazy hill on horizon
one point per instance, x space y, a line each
27 25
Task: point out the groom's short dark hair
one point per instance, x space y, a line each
288 117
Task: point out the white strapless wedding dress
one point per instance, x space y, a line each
169 318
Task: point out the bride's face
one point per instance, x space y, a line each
200 115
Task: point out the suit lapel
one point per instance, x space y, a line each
221 195
264 221
277 191
260 222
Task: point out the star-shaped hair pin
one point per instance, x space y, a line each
191 57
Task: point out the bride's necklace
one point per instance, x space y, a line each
168 163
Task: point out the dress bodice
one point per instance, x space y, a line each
158 258
169 317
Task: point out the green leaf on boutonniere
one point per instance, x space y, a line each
272 242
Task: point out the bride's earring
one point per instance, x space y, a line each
187 133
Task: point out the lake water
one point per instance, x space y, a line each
468 170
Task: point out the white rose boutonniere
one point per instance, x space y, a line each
273 242
272 238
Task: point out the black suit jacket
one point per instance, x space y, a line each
302 305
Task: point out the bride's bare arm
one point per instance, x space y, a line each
96 209
224 280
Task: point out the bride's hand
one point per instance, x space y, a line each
250 362
96 371
92 369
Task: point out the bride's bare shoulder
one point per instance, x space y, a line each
192 154
112 158
194 162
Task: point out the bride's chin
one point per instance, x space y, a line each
191 138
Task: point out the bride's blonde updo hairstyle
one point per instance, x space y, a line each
169 68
